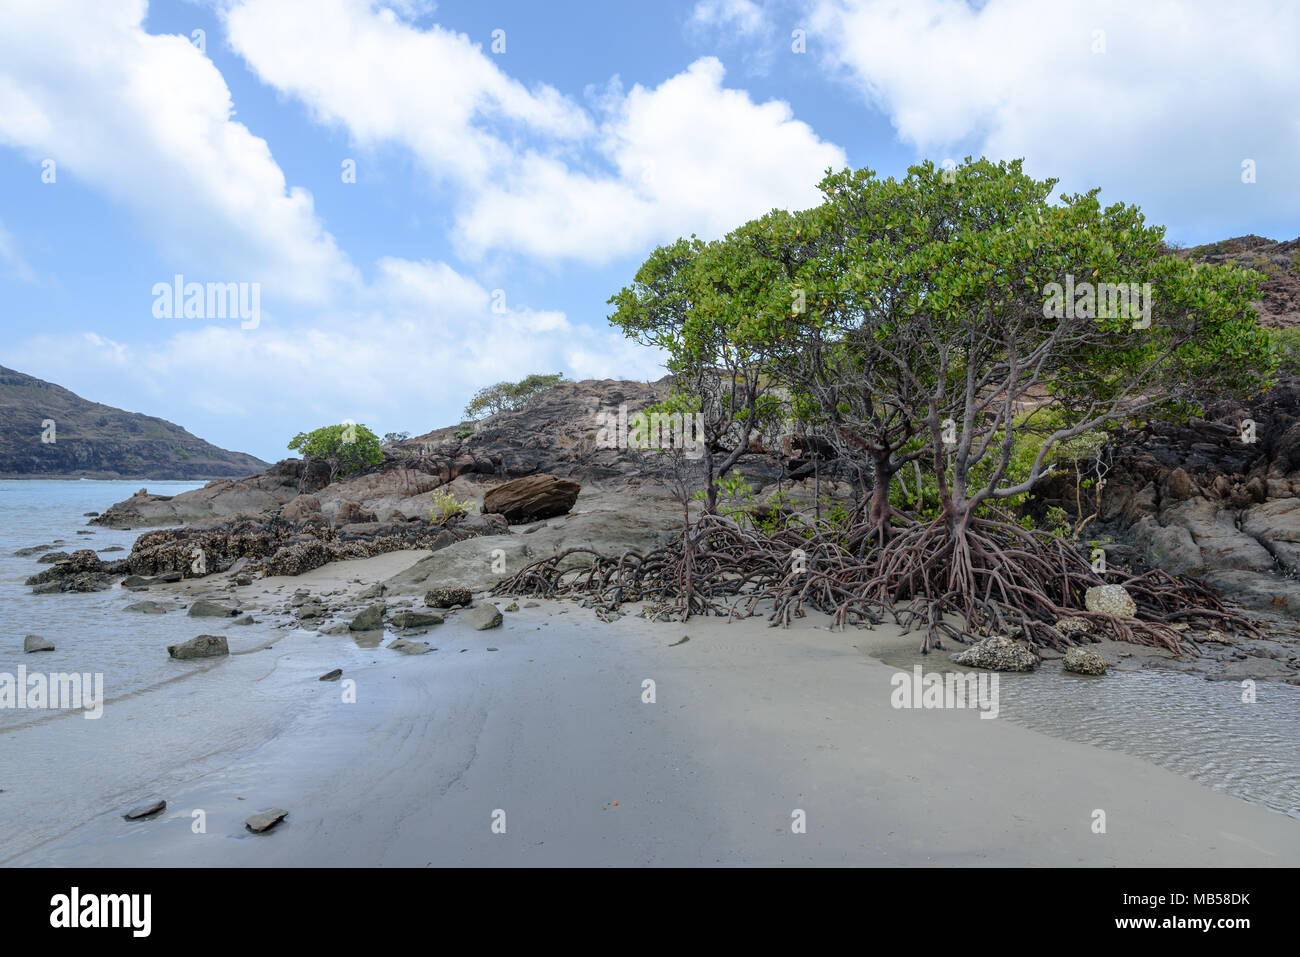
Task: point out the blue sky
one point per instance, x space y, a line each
502 196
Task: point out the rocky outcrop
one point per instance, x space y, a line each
557 434
275 546
406 620
1216 498
81 571
210 609
531 498
223 498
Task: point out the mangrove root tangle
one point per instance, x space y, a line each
986 576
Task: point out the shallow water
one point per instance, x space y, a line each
1197 728
91 632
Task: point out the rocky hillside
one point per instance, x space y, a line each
1279 304
91 440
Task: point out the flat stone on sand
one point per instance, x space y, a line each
266 820
145 810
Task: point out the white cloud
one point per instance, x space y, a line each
1164 117
534 173
435 91
147 120
416 343
744 17
690 157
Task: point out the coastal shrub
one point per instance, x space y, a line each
1286 347
347 448
509 396
446 507
734 495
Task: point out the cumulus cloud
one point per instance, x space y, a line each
1155 102
686 156
689 156
382 79
408 352
147 120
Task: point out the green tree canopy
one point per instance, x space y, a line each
347 447
508 396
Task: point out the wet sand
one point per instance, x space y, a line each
550 736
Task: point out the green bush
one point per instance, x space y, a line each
347 447
446 507
1286 346
508 396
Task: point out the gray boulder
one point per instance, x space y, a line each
997 654
210 609
532 497
204 646
484 616
37 643
415 619
1082 662
370 619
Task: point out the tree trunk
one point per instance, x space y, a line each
882 476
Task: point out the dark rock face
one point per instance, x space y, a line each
94 440
531 498
1200 499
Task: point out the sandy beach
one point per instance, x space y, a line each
540 729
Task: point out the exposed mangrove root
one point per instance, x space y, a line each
960 580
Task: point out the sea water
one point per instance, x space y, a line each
1201 729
